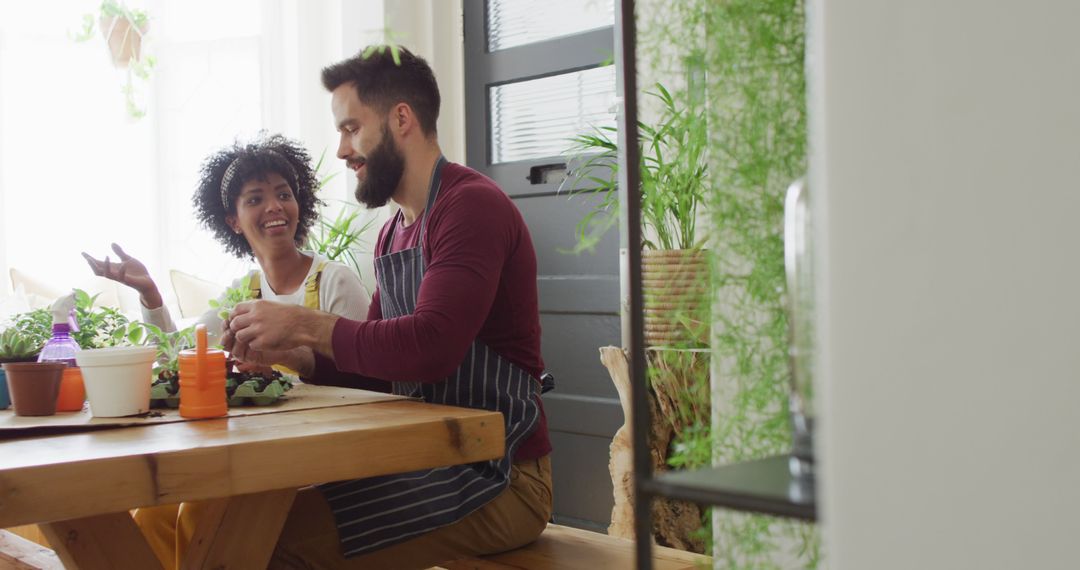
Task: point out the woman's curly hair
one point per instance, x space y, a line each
253 161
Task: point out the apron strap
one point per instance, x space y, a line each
433 191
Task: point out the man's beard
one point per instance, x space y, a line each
385 165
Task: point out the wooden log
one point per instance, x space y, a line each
674 522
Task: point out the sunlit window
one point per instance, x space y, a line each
538 117
78 171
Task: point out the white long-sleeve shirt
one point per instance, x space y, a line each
340 293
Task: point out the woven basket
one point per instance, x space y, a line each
674 284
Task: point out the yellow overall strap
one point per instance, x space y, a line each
255 285
311 287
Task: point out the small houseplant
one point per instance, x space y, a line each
233 296
241 387
16 346
99 327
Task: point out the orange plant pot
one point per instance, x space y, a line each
34 386
72 391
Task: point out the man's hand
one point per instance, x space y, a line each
261 331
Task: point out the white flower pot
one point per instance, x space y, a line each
117 379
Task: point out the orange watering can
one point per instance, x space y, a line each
202 379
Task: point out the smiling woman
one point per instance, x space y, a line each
258 200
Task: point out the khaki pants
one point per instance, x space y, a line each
310 539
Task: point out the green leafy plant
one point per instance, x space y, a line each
389 43
169 345
233 297
16 346
99 327
746 59
673 176
36 326
124 30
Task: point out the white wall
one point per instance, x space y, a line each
433 30
946 141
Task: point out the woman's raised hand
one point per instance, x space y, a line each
130 272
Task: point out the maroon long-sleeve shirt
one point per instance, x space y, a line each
479 282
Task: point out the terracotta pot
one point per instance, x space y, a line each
34 386
5 394
673 284
72 392
125 42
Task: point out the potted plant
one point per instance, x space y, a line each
99 327
673 177
16 346
258 388
124 30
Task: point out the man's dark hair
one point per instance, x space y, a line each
254 161
381 82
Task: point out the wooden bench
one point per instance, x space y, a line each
566 548
19 553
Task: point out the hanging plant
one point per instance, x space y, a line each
124 29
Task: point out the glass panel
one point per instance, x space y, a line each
513 23
537 118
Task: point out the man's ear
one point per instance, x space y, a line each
402 118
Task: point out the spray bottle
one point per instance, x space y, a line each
61 347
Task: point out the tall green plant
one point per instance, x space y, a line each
673 175
746 58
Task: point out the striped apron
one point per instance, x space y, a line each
377 512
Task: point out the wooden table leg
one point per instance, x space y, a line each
238 532
101 541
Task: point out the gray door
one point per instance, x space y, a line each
535 75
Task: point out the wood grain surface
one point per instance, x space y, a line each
53 478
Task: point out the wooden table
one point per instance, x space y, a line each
80 487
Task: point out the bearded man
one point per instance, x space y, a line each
454 320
